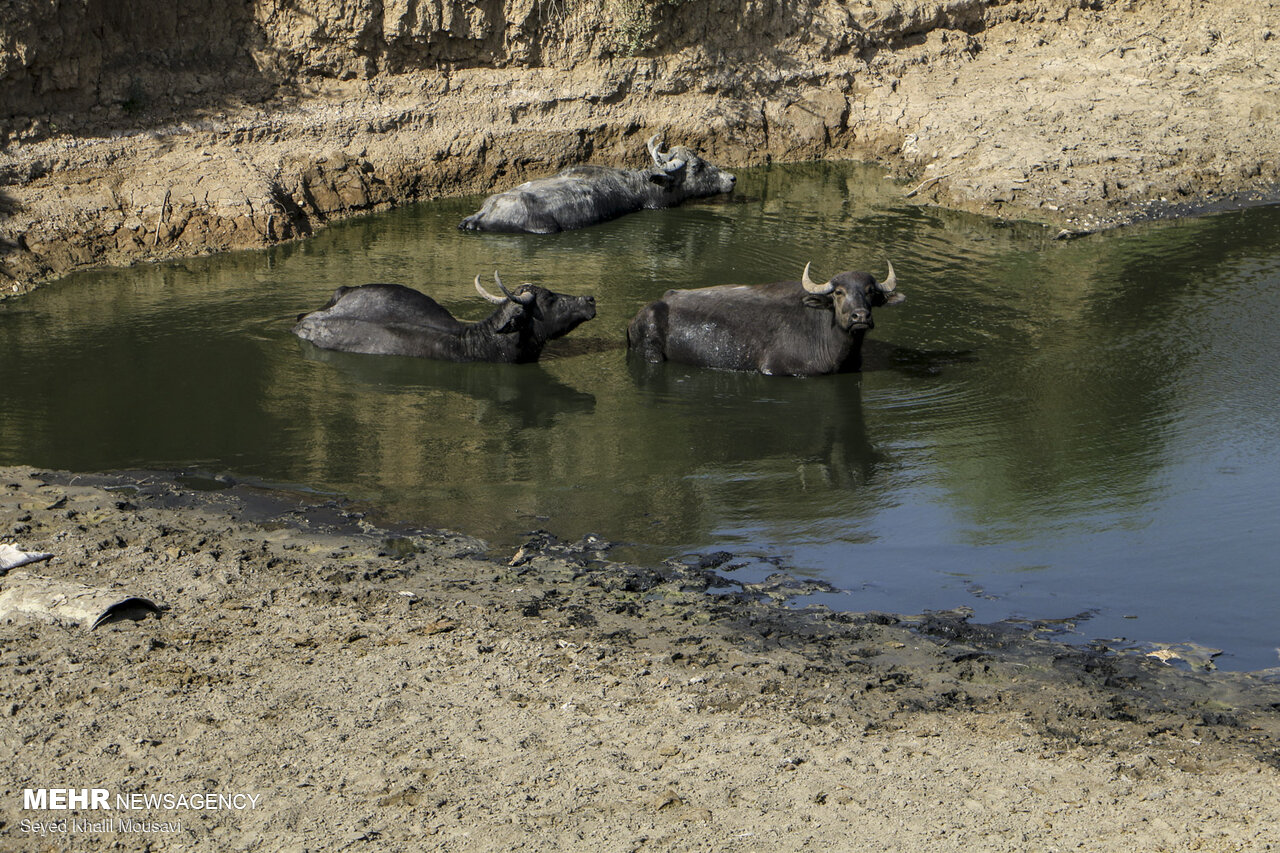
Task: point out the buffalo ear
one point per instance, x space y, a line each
662 179
515 319
894 298
820 301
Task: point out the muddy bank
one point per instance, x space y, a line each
413 689
160 132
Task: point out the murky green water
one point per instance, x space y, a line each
1042 428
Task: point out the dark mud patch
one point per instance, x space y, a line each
688 609
420 687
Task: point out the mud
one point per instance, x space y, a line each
170 131
412 689
371 688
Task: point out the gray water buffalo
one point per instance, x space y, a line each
390 319
788 328
586 195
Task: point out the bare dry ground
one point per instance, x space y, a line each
410 690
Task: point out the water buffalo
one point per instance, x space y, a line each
390 319
789 328
586 195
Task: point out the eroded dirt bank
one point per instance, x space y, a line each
410 690
154 130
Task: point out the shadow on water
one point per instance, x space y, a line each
883 355
527 395
745 424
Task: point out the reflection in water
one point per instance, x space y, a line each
529 398
1068 426
750 449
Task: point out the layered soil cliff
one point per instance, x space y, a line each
143 130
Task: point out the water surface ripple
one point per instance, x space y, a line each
1043 429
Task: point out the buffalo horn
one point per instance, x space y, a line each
523 298
659 158
890 282
815 288
496 300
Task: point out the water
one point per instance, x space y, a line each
1043 429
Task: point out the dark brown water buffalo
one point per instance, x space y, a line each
788 328
390 319
586 195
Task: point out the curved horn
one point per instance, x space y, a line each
523 298
658 157
890 282
496 300
815 288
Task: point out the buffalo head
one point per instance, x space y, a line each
851 296
683 170
536 311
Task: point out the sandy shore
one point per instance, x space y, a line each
340 687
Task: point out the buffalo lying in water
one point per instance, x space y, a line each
788 328
586 195
390 319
